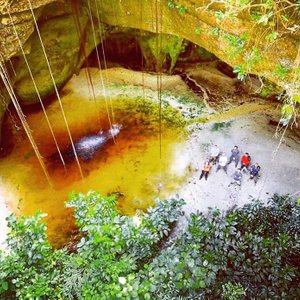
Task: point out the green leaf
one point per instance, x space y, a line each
4 286
287 109
198 30
240 71
296 98
182 9
271 37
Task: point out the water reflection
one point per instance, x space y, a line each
125 161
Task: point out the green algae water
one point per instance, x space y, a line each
136 165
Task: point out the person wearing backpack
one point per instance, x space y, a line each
254 172
237 177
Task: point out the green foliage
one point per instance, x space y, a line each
240 71
114 247
232 291
237 43
174 4
219 126
30 269
252 58
281 71
276 18
220 15
269 89
237 48
280 216
239 247
198 30
296 98
215 31
269 13
264 18
287 111
272 36
250 252
166 45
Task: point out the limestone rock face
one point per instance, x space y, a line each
172 21
197 22
63 54
18 12
67 39
193 20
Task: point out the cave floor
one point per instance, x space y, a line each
279 161
230 120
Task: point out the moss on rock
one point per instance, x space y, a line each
199 23
62 51
163 46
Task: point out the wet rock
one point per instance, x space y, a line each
22 17
200 25
63 52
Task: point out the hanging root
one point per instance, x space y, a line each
9 87
205 97
55 87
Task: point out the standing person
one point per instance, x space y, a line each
205 170
235 155
254 172
237 177
245 161
214 154
222 162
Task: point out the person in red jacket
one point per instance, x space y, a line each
245 161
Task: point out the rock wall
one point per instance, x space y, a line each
68 40
198 23
193 20
19 12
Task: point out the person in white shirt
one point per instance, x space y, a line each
222 162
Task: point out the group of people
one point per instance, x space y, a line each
220 158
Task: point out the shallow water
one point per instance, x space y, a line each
133 165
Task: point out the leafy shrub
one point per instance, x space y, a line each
219 126
247 253
239 247
173 4
30 269
114 247
240 71
232 291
